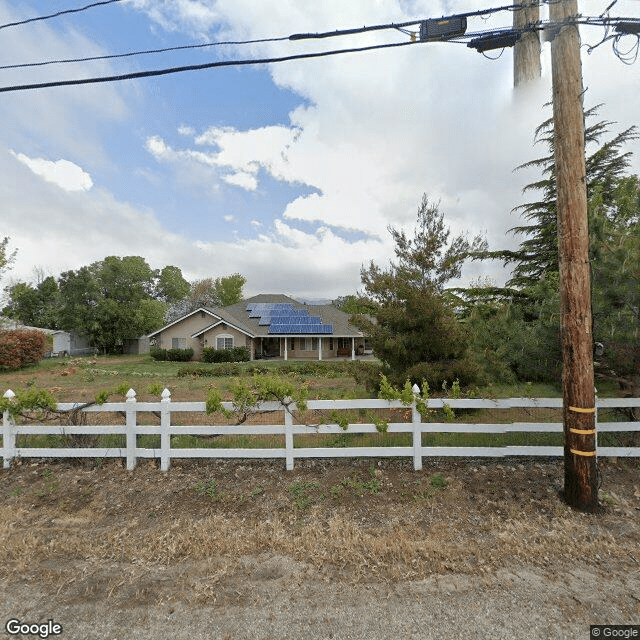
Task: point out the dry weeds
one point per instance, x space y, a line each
205 532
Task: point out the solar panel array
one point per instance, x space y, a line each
282 317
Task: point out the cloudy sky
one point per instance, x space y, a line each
287 173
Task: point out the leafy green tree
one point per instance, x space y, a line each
36 306
352 304
615 261
221 292
171 287
414 320
111 300
228 289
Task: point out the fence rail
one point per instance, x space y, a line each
290 429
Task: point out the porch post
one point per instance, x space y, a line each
319 348
286 353
353 348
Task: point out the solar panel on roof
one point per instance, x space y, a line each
299 328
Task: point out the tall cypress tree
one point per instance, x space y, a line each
537 255
615 252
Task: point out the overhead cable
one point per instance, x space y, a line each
198 67
630 25
139 53
399 25
58 13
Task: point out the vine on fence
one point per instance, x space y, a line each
248 395
36 402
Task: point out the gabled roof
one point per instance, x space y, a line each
236 316
215 324
211 312
327 312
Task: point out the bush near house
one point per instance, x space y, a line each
441 372
237 354
172 355
21 347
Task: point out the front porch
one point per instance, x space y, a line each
309 348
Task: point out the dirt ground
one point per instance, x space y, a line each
333 549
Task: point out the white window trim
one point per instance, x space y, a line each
224 337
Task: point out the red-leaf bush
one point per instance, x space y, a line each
21 347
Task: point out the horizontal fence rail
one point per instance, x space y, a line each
289 429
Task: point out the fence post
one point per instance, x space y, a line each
416 420
165 438
8 435
132 435
288 437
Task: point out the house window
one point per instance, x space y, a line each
310 344
330 344
292 344
178 343
224 342
344 343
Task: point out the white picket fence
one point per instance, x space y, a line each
131 429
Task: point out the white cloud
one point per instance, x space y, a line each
63 173
230 218
242 179
379 129
376 131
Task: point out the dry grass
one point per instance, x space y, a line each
208 529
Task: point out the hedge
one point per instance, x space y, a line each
21 347
172 355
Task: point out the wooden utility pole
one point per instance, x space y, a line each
526 52
578 392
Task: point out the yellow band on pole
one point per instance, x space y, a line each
580 410
583 453
583 432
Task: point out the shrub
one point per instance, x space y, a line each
217 371
158 354
21 347
441 371
172 355
179 355
368 374
237 354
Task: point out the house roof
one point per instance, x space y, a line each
237 316
327 313
211 312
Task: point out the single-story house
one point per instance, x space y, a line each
269 326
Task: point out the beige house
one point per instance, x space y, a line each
270 326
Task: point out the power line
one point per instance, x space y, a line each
138 53
504 35
198 67
297 36
398 25
59 13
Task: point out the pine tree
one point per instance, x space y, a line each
537 255
416 332
613 211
